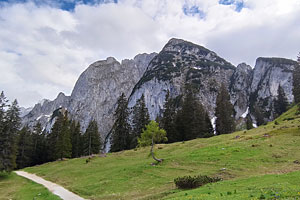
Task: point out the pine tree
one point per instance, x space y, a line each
121 128
168 119
76 139
25 148
10 126
296 81
192 120
140 120
92 140
281 103
224 112
60 139
249 123
3 105
39 145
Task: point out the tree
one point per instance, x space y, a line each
39 145
121 128
140 119
281 103
152 135
296 81
192 120
92 141
249 123
25 148
59 138
224 112
76 139
168 119
10 125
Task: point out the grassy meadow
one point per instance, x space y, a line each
255 164
14 187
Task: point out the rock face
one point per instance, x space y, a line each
268 74
240 88
178 63
95 93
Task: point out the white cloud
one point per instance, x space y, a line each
44 49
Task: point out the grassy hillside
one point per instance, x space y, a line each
13 186
258 163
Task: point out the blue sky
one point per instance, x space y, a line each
46 44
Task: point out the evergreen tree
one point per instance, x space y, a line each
76 139
121 128
296 81
281 103
224 112
92 140
10 126
39 145
140 120
64 145
249 123
192 120
259 115
3 105
60 139
25 148
168 119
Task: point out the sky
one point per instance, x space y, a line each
46 44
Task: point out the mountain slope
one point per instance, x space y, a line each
238 158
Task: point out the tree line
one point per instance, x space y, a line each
23 147
183 118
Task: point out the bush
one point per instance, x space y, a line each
188 182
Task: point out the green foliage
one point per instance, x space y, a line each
76 139
25 148
9 125
168 121
249 123
192 120
121 128
281 103
189 182
92 140
296 81
152 134
140 119
224 112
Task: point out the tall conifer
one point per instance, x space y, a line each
224 112
121 128
92 140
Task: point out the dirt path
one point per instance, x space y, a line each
54 188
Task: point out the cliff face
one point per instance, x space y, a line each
96 92
178 63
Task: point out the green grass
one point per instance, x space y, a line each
15 187
254 162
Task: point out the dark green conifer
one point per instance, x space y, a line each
224 112
168 120
76 139
10 126
25 148
296 82
140 119
281 103
92 140
120 132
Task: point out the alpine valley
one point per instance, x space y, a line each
96 91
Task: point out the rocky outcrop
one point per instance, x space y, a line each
178 63
95 93
240 89
268 74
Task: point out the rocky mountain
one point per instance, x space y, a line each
96 92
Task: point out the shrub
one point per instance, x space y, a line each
188 182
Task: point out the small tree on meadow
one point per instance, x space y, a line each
152 135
